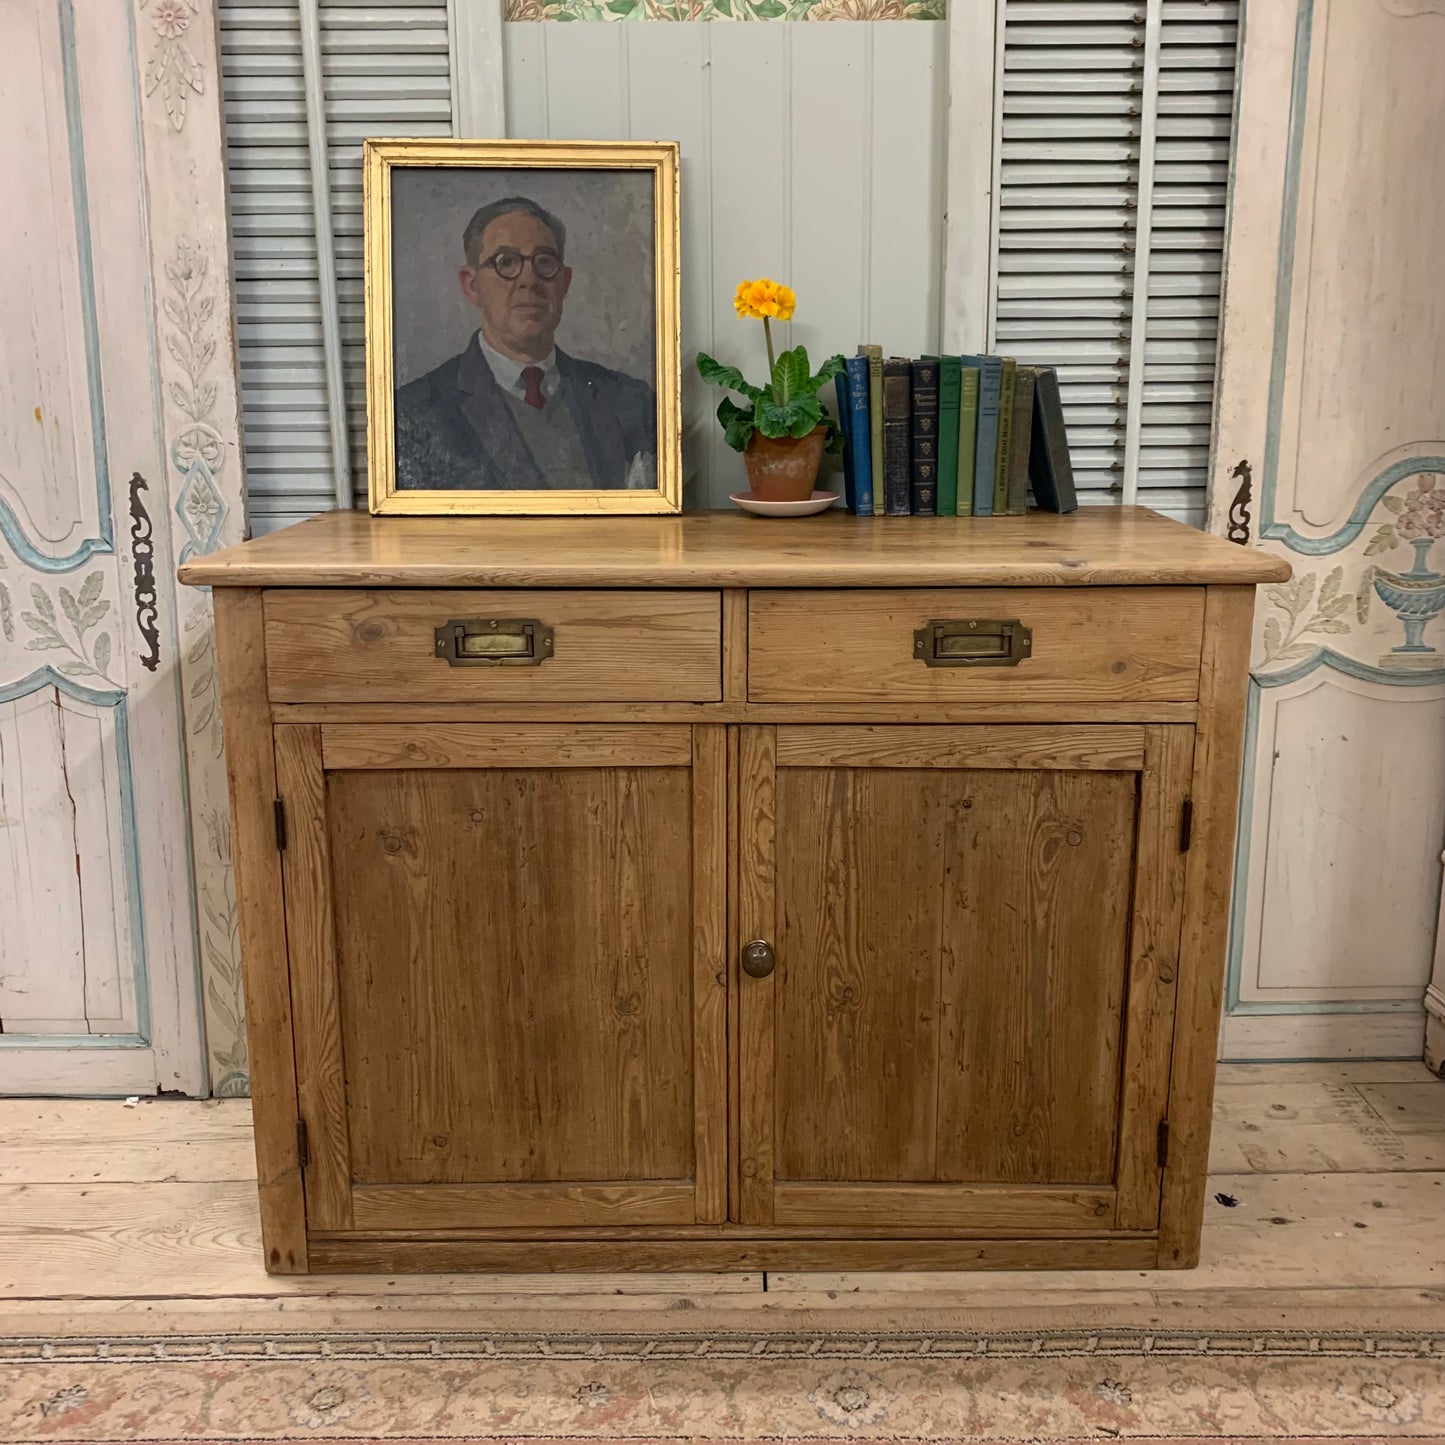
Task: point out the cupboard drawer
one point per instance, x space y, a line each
333 645
1098 644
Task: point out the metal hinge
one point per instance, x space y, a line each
1163 1143
1186 825
303 1144
280 825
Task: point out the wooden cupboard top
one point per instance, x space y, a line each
1094 546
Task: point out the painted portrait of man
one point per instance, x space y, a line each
513 406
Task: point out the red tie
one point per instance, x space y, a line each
532 375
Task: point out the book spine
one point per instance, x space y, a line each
1021 442
1007 378
986 450
874 356
949 375
1063 464
858 434
924 405
967 436
850 471
1050 469
897 438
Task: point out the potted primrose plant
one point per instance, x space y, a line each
784 431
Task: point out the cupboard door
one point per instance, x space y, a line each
507 975
975 932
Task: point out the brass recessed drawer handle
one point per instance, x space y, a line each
758 958
494 642
973 642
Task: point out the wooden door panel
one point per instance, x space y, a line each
860 876
517 953
971 1013
1034 923
507 975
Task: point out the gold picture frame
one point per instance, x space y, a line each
382 160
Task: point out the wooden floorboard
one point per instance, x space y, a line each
117 1219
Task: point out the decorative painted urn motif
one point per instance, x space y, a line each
1417 595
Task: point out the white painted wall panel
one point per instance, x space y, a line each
42 941
46 438
1349 874
810 153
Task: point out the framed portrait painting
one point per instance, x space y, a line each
522 344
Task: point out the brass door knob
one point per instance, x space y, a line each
758 958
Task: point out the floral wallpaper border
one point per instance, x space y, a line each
725 10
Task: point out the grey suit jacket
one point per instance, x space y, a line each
455 432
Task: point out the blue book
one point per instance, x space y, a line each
985 457
853 418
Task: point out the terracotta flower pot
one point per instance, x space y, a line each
783 469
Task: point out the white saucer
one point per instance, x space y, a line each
818 502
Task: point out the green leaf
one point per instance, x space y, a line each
92 615
768 9
790 376
102 652
48 634
728 376
1329 624
737 423
42 603
827 372
1331 585
1272 636
622 7
796 419
70 607
1363 596
7 614
1385 540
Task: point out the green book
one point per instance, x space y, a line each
1005 436
1018 466
875 420
968 378
949 375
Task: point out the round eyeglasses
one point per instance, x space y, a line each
509 264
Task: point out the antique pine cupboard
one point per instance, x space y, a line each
703 892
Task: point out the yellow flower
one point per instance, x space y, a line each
764 298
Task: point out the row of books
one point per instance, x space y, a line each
952 436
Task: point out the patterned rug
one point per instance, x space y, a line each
928 1388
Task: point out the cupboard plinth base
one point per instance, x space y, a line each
728 1252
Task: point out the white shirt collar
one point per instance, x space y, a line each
508 373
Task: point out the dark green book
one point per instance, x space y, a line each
923 407
990 375
1020 437
1007 383
875 420
950 370
968 379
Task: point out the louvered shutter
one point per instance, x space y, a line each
384 71
1088 107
